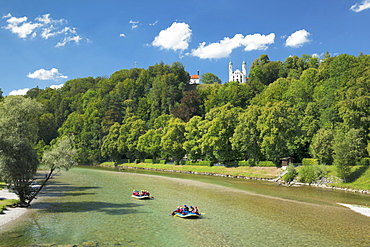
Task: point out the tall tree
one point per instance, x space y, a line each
246 138
18 135
348 147
278 127
221 123
60 156
189 106
193 134
173 139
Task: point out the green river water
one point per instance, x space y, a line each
93 207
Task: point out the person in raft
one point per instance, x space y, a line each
145 193
185 210
135 193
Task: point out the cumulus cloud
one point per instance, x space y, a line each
19 91
365 4
297 39
176 37
122 35
56 86
43 74
43 26
227 45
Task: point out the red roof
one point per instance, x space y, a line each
194 77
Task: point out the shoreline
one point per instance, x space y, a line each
10 214
270 179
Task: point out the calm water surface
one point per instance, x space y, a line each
94 206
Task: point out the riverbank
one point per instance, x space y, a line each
272 174
10 213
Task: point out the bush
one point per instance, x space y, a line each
310 173
205 163
307 161
191 163
163 162
291 174
266 164
249 162
151 161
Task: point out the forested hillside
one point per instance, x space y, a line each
302 107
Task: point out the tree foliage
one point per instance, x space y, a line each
18 134
292 108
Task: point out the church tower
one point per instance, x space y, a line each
244 72
230 71
237 75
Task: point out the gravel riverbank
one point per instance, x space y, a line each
10 214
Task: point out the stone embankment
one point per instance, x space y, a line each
322 184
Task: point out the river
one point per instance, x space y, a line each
93 207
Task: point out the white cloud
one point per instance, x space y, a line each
152 24
43 74
176 37
56 86
227 45
360 7
122 35
297 39
44 26
19 91
20 26
134 24
258 41
67 40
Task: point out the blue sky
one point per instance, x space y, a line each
45 43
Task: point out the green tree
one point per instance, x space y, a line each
129 134
193 135
321 147
220 125
348 147
209 78
60 156
18 135
246 138
109 148
150 143
173 139
278 128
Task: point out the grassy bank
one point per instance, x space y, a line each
256 172
8 202
359 179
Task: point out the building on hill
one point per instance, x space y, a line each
194 79
237 75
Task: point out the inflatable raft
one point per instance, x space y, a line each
141 197
188 215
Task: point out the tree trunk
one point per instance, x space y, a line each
42 186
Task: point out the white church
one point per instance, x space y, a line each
237 75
